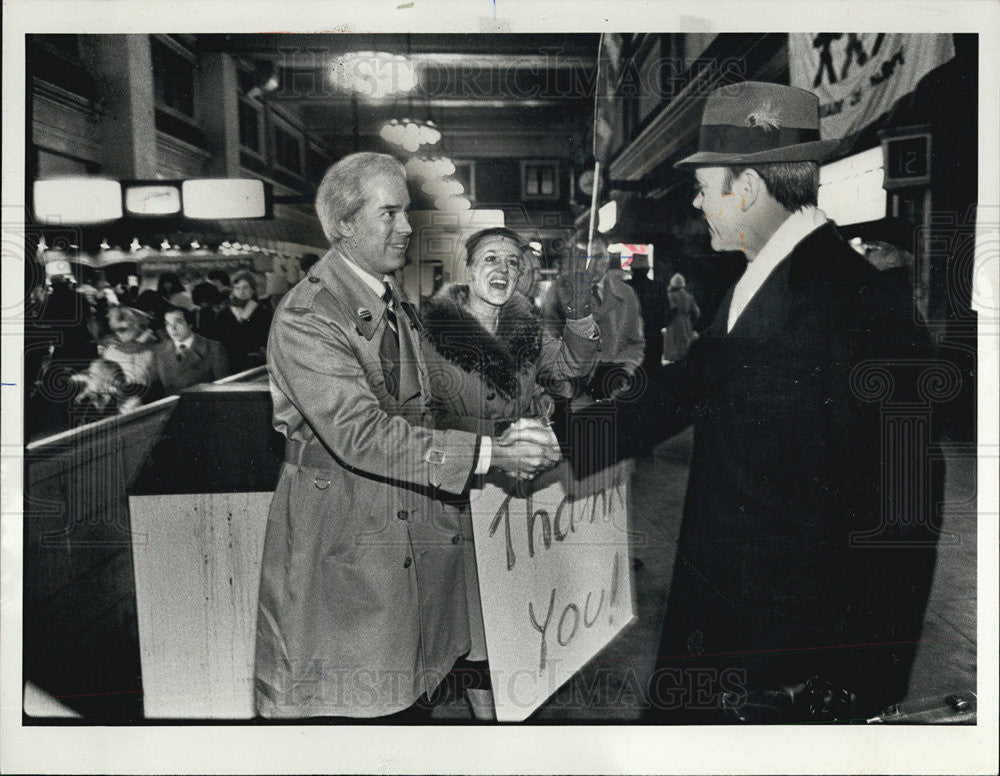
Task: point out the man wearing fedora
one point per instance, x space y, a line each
798 591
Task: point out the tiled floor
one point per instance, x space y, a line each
609 689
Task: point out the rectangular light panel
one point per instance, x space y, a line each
77 200
213 198
150 199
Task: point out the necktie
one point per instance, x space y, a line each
595 294
390 309
181 350
389 346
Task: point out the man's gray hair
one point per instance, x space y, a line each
341 193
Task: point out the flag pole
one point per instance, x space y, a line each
597 161
593 212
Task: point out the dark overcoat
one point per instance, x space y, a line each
362 595
791 562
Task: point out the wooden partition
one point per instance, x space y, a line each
80 635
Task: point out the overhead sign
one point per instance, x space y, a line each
859 76
555 581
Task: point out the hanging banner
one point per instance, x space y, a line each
555 580
859 76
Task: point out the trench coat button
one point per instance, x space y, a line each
402 514
407 563
490 396
313 279
456 539
320 483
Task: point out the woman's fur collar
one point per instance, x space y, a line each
497 359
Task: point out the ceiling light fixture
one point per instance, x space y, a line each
429 167
373 74
410 134
452 204
443 187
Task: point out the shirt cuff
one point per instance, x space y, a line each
585 327
485 455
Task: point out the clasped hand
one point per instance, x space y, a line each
526 448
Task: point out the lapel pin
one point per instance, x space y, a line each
364 314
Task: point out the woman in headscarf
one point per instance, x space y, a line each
489 364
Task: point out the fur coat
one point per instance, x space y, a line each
481 381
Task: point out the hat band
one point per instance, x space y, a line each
730 139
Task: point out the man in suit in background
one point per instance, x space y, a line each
187 358
799 587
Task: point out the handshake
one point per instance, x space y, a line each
526 448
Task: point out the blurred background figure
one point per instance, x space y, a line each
153 305
130 345
653 303
187 358
618 314
306 261
682 314
105 393
169 286
206 299
243 324
888 245
220 279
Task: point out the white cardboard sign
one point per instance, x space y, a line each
555 581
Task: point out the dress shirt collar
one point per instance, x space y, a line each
794 229
185 345
378 287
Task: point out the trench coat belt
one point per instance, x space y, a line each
481 426
312 456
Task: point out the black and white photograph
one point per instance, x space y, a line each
417 387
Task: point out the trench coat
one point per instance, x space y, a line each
791 562
481 382
362 603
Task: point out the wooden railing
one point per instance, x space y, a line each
80 634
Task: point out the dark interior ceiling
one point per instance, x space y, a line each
468 83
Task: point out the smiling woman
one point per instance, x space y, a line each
489 364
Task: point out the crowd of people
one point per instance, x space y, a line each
96 350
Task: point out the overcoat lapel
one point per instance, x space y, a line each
759 327
368 314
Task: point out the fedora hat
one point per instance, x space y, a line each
759 122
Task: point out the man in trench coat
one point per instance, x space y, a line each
801 575
362 599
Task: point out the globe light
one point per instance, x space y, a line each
452 204
443 187
411 134
429 167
